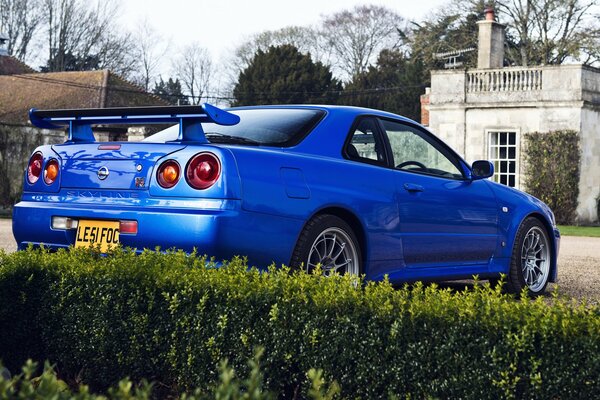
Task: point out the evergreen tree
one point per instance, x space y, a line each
170 91
283 75
394 84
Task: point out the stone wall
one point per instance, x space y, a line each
589 181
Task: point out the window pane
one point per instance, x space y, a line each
493 153
502 138
275 127
415 151
512 138
493 139
364 144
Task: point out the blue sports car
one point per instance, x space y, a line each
351 189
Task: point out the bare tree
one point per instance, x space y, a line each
20 21
149 51
83 35
118 54
546 31
194 68
357 36
306 39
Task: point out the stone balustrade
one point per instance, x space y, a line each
504 80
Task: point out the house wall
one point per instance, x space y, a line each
589 181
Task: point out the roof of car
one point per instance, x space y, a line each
342 109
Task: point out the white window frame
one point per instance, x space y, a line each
496 160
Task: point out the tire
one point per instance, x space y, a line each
531 259
329 241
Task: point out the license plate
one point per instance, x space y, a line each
92 233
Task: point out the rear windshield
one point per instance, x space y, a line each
269 127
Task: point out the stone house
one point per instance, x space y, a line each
483 113
21 88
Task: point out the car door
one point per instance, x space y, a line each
445 218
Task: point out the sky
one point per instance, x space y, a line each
220 25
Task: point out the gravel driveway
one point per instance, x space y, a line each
578 262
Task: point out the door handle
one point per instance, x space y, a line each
411 187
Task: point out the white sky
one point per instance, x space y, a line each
220 25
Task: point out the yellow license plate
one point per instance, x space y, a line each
92 233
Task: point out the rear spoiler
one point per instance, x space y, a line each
79 121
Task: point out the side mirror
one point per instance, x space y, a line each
482 169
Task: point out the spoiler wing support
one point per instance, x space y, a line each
79 122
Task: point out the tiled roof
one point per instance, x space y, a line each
10 65
83 89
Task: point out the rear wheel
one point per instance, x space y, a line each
330 242
531 259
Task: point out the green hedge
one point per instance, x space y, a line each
46 385
552 165
171 318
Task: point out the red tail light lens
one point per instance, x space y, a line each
34 169
51 171
168 174
203 170
129 227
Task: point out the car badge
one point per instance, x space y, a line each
103 173
140 182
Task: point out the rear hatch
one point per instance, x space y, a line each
111 165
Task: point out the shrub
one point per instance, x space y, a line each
47 386
171 318
552 164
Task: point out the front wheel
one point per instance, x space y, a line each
531 259
330 242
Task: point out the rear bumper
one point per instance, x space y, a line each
165 227
217 228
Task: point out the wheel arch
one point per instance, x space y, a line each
351 219
550 231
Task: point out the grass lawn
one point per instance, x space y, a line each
590 231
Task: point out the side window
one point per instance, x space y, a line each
365 144
414 151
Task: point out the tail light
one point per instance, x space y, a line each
203 170
51 171
168 174
34 168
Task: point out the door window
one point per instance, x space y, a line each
415 151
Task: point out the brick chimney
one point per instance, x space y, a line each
425 107
491 42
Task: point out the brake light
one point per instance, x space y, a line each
34 168
168 174
51 171
203 170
